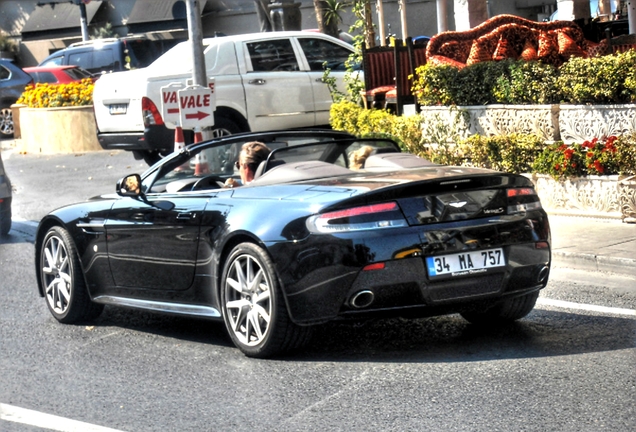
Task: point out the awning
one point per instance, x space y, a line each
58 16
146 11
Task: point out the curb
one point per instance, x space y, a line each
594 263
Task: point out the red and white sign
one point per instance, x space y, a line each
196 106
170 104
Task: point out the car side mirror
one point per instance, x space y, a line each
129 186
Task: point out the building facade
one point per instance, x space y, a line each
40 27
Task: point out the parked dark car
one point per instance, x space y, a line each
99 56
13 80
58 74
309 240
5 201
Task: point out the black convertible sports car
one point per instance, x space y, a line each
308 241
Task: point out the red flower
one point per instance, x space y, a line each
568 154
557 167
590 154
598 166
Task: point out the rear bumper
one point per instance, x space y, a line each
153 138
323 277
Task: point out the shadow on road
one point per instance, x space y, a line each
440 339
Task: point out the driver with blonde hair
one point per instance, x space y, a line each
251 156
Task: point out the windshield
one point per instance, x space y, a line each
210 165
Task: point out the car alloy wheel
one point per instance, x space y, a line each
248 300
6 121
62 279
56 274
254 310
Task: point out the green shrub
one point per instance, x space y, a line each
511 82
516 153
477 82
606 79
435 85
371 123
527 82
511 153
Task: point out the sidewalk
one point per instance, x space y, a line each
594 244
577 242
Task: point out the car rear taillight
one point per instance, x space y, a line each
521 200
368 217
151 114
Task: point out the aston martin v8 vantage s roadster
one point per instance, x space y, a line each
311 239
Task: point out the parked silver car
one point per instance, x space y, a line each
5 201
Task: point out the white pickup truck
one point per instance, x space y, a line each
263 81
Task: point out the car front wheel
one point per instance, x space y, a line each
63 281
506 311
254 310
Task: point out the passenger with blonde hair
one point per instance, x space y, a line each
357 158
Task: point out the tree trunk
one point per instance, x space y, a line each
330 28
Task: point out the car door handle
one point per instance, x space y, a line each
258 81
184 216
138 216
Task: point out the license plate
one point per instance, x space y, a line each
465 263
117 109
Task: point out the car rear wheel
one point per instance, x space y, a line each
254 310
63 280
6 121
506 311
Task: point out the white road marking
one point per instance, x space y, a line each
47 421
585 307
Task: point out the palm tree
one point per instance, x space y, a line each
328 15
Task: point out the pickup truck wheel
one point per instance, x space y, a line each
223 126
152 157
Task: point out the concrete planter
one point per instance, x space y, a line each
609 197
569 123
489 120
58 130
578 123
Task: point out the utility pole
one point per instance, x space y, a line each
83 16
195 34
83 19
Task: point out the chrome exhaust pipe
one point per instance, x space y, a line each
362 299
543 274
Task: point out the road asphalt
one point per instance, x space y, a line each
591 244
